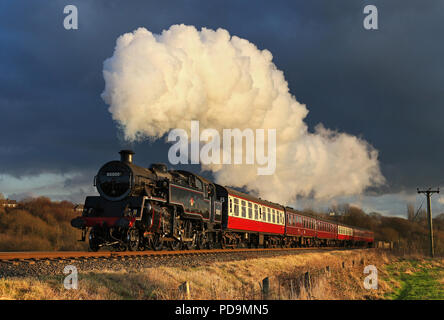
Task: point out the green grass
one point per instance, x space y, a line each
416 280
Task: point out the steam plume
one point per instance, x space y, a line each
155 83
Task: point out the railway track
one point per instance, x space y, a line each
72 256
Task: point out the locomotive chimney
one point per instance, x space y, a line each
126 156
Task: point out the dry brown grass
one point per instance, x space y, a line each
223 280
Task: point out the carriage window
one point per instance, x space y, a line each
256 215
236 207
262 213
268 215
250 210
244 210
231 205
273 216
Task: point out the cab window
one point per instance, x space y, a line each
198 184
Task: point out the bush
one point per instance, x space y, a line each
39 224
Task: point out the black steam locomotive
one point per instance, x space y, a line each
140 208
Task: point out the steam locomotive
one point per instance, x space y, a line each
155 208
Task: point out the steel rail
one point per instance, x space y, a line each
54 255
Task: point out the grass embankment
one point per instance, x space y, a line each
414 279
221 280
398 279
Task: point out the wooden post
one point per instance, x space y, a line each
265 288
307 280
291 289
429 193
343 264
185 289
327 269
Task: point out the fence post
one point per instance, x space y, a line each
265 288
307 280
327 269
185 289
291 289
343 264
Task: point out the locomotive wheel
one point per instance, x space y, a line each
201 242
133 240
252 244
145 243
189 245
93 246
93 243
175 245
157 243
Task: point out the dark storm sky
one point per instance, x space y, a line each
385 86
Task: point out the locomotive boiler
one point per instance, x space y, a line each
140 208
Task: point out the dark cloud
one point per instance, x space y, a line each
384 85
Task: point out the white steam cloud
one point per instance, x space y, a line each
155 83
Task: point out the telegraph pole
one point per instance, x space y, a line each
429 193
